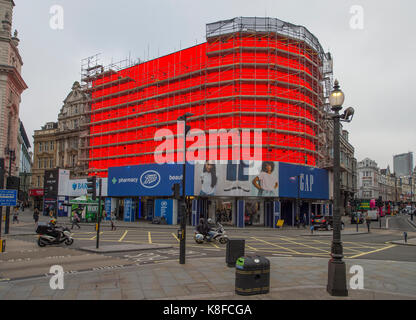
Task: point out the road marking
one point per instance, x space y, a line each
365 253
123 236
304 245
150 237
345 247
254 249
96 236
215 245
174 235
275 245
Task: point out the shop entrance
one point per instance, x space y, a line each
252 213
286 212
224 211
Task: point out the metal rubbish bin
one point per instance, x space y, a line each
252 275
235 250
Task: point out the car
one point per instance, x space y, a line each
357 216
324 222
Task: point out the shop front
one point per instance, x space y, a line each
37 198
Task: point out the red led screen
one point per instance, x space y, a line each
235 81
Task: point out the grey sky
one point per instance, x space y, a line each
375 66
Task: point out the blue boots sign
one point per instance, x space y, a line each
148 180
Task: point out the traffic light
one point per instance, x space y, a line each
176 191
92 187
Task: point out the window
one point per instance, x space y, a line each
38 181
75 124
39 163
51 163
45 146
51 145
45 163
40 146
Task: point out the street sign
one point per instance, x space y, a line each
8 198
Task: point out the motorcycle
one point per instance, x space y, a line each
46 238
220 236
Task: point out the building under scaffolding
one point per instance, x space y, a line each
251 73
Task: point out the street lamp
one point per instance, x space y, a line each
337 282
183 205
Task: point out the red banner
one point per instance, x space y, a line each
36 192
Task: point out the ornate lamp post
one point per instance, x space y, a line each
337 282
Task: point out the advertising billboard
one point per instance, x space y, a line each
238 178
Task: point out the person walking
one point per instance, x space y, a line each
36 216
304 221
16 214
75 220
112 220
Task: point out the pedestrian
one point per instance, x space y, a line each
75 220
368 221
304 220
36 216
112 220
16 214
312 228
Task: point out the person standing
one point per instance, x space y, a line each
36 216
368 221
304 220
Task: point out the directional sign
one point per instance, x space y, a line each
8 198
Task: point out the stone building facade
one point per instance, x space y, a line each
11 87
44 158
348 164
72 133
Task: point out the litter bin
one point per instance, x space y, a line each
252 275
235 250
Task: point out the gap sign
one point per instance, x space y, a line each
8 198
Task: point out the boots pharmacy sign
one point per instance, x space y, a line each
148 180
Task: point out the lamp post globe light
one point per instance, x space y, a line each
337 282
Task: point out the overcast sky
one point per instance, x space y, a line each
375 65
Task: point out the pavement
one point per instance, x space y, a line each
210 279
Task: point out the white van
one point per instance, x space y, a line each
372 215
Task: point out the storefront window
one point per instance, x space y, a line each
252 214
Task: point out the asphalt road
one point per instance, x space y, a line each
375 245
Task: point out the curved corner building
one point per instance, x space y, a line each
258 73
